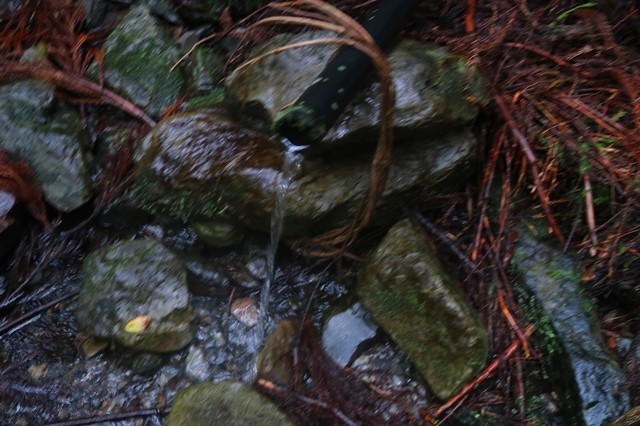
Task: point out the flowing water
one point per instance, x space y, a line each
290 167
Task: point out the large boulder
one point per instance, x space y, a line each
135 292
202 166
422 308
51 138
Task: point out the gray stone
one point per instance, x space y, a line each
197 367
435 90
7 201
138 58
345 332
51 138
136 280
219 233
226 403
201 165
408 292
146 363
207 69
589 381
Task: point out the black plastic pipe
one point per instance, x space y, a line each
319 107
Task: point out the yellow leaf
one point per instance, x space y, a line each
138 324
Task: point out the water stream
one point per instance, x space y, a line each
290 167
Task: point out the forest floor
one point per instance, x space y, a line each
560 141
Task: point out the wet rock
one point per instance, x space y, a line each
245 311
275 361
435 90
201 165
92 347
197 366
345 332
193 165
51 138
7 201
220 233
408 292
588 380
212 99
225 403
135 293
207 277
207 69
138 60
146 363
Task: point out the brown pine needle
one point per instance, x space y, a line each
591 216
533 166
73 84
486 373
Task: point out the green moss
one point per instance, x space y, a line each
300 116
564 275
182 205
216 96
138 60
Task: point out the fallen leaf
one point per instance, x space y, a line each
138 324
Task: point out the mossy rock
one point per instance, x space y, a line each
422 308
139 55
225 404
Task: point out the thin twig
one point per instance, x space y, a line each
115 417
74 84
533 166
591 216
273 388
469 265
32 313
486 373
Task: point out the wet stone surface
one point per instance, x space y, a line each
590 382
433 88
117 380
203 166
135 293
56 146
138 58
345 332
227 402
422 308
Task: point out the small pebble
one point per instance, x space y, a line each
37 371
246 311
197 367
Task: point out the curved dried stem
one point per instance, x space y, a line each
294 20
357 30
350 33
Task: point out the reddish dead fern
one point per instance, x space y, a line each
17 177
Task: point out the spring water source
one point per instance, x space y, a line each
291 165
